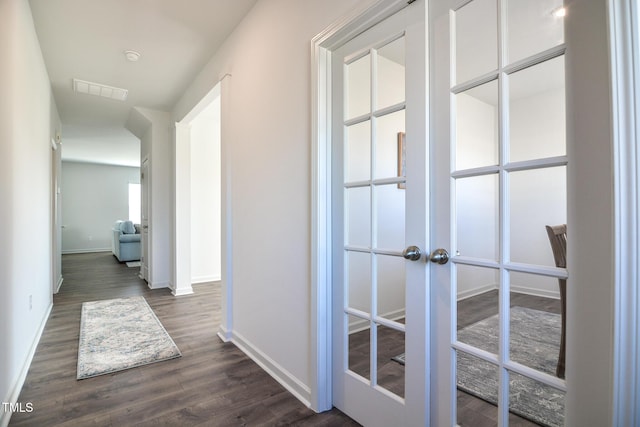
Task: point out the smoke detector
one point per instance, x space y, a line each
131 55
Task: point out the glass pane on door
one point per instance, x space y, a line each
358 152
391 359
537 198
359 346
358 91
476 39
390 74
477 216
477 127
534 26
388 130
477 398
535 402
391 290
537 92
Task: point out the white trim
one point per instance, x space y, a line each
184 290
58 285
202 105
624 27
14 391
224 334
205 279
334 35
159 285
226 209
85 251
275 370
181 218
535 292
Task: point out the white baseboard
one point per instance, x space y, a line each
84 251
536 292
158 285
59 285
182 291
205 279
301 391
514 288
14 391
476 291
224 334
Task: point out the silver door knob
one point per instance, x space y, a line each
439 256
412 253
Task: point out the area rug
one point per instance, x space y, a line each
535 342
133 264
119 334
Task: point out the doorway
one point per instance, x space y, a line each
197 232
443 286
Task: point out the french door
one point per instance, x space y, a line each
470 185
500 169
380 305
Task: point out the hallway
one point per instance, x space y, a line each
212 384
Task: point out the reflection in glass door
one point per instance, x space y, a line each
508 184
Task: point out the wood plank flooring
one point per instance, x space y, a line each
212 384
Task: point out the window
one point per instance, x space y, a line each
134 203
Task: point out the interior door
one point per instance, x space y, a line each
379 223
144 208
500 168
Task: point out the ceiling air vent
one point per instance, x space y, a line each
98 89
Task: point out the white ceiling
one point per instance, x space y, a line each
85 39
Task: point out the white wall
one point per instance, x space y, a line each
28 122
390 209
268 56
95 196
205 195
152 127
538 197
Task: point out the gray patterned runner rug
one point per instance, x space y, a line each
535 342
119 334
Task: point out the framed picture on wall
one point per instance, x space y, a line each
402 159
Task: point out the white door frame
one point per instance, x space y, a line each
56 215
322 45
624 27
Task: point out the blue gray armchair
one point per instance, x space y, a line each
126 241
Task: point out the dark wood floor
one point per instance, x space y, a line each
212 384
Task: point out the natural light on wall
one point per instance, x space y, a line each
134 203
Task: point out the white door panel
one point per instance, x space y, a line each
380 208
500 167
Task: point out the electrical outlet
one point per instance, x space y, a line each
30 302
90 238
